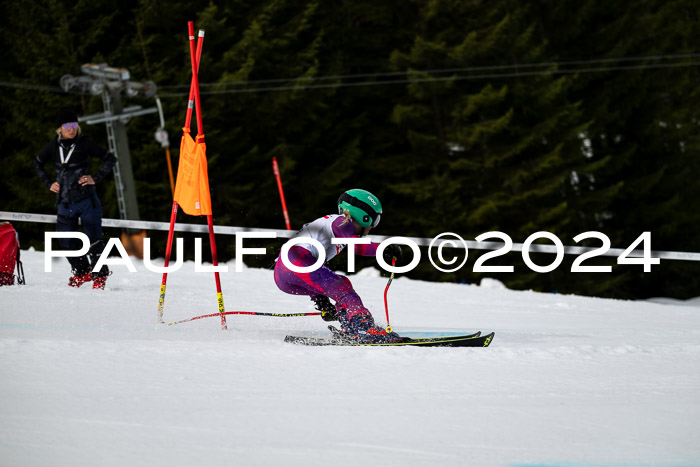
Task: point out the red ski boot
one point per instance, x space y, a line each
99 282
78 280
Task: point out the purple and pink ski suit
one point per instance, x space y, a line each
323 281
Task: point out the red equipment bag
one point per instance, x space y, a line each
9 255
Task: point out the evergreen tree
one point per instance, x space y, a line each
495 146
642 136
321 131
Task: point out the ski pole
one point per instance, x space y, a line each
386 305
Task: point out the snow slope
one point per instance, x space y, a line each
89 378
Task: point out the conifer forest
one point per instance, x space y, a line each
463 116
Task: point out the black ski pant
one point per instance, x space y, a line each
89 212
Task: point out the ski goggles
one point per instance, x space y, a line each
70 126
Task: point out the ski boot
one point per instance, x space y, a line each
362 328
79 279
327 309
99 280
80 268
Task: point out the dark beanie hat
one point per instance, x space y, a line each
65 115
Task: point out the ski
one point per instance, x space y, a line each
451 341
338 334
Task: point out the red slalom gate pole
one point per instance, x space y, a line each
168 251
190 102
217 280
386 305
173 214
276 171
195 83
200 138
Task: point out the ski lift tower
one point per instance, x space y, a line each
110 82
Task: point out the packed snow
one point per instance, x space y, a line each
89 378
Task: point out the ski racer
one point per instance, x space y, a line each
359 211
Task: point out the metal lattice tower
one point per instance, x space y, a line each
112 144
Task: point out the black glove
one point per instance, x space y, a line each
391 252
327 309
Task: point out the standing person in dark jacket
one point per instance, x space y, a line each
76 198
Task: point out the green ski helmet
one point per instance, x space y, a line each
362 206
